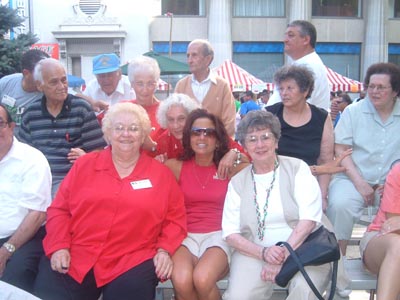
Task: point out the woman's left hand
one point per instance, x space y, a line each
74 154
269 272
163 264
225 164
275 255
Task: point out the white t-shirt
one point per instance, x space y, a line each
321 94
25 184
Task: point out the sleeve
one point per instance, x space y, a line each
243 109
24 134
173 229
92 135
307 194
231 213
344 129
36 184
229 112
390 202
58 223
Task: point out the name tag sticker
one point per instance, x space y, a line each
141 184
10 101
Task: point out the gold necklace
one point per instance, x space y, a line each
202 185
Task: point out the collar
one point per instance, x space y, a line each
15 152
368 107
66 108
212 76
104 162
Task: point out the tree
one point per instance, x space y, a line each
12 50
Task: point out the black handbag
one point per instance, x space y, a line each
319 248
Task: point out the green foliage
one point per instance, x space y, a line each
12 50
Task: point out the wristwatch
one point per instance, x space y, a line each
9 247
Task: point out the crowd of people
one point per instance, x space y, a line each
111 191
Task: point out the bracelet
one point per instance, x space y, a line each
263 253
238 157
162 251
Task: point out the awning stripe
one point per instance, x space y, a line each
339 82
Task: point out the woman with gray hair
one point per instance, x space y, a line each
307 131
276 198
144 74
172 115
117 219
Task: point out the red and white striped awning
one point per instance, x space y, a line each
339 82
238 78
162 85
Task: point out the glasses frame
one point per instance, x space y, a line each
206 132
253 139
378 88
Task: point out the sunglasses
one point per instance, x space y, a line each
207 132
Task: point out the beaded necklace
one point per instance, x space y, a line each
261 219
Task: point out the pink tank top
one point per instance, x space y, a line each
204 197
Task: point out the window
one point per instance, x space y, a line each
260 59
343 58
394 54
183 7
258 8
394 8
336 8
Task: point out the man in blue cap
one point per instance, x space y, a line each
109 86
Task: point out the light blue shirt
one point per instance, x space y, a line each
375 144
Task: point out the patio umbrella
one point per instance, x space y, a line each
75 81
168 66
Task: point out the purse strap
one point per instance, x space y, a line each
308 279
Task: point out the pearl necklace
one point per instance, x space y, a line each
261 218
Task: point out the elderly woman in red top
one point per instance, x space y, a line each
203 257
118 217
172 115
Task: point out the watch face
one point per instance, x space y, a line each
9 247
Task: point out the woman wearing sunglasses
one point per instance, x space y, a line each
172 115
203 257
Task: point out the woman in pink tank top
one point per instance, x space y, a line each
203 257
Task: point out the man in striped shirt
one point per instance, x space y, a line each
60 125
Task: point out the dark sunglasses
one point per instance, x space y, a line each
196 131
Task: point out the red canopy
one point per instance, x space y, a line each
238 78
339 82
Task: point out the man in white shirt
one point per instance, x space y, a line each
25 194
109 86
300 39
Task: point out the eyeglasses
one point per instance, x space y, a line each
149 85
3 124
119 129
379 88
253 139
206 132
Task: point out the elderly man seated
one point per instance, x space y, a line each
25 186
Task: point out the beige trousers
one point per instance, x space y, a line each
245 282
